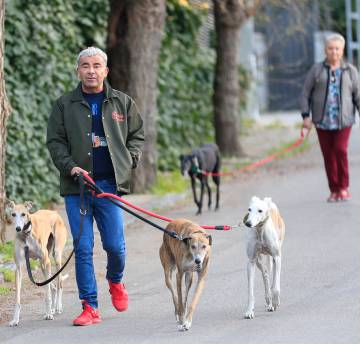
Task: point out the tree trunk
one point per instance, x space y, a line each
4 114
134 40
229 16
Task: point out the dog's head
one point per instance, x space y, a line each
188 163
258 211
19 215
199 247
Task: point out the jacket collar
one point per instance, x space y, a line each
77 95
343 64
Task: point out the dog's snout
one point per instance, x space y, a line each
197 261
18 229
248 224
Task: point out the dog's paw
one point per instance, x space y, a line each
13 323
276 299
49 317
185 326
58 310
270 308
249 315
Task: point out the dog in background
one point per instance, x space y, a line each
44 232
202 160
189 255
265 235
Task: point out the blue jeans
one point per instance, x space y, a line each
109 220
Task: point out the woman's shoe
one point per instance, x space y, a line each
333 197
344 195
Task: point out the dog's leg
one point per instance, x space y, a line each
202 187
181 310
276 282
264 264
168 269
46 269
188 282
193 187
251 301
169 284
199 288
18 282
59 284
208 190
216 180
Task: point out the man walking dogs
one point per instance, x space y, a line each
96 130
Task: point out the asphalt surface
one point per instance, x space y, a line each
320 272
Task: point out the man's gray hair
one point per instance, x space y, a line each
334 37
91 51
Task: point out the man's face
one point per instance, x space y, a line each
92 72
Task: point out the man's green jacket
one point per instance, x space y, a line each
69 136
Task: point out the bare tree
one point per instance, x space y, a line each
4 114
229 16
134 39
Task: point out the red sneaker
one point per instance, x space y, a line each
88 316
344 195
119 296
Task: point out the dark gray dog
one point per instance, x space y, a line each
205 159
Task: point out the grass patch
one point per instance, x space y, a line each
4 290
246 125
9 275
276 124
7 251
169 182
34 264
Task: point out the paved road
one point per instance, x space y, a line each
320 276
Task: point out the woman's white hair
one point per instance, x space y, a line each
91 51
334 37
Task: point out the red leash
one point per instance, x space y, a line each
261 162
246 168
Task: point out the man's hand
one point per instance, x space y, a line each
307 123
78 170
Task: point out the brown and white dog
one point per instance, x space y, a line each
45 233
265 235
189 255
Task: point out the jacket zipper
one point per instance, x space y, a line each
326 94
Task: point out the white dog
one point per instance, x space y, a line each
265 235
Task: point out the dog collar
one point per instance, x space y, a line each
26 227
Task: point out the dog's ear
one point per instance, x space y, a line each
185 240
209 237
254 199
28 205
245 219
9 205
268 201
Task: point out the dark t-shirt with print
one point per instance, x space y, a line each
102 164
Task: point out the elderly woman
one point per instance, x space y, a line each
330 94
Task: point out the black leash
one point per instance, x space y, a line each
82 215
98 190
